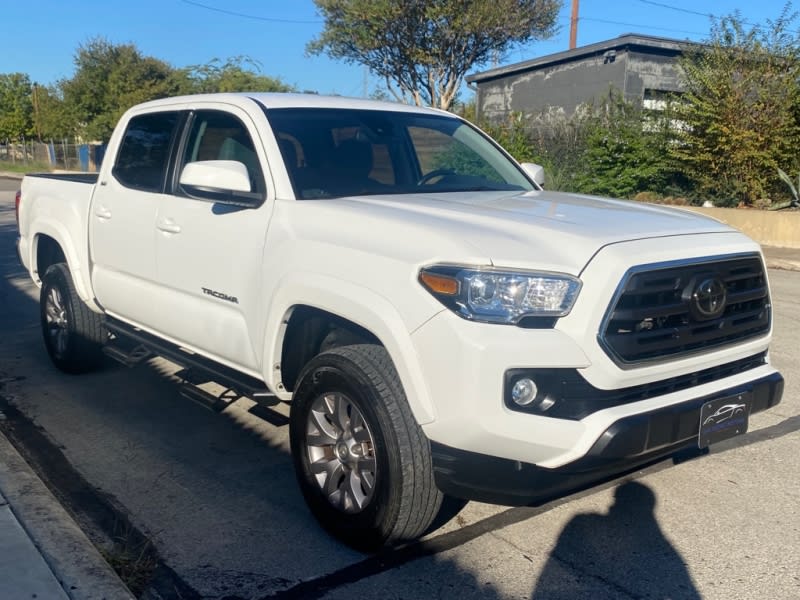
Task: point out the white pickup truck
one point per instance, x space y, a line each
439 323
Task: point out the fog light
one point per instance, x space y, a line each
524 391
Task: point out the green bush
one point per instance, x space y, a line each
612 148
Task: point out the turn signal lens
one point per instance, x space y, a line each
439 284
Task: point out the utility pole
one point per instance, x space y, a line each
573 26
37 123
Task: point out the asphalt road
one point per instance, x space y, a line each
208 501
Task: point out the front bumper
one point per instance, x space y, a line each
627 443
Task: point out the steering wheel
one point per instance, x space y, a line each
425 179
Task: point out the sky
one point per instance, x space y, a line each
40 39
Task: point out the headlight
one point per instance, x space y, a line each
499 295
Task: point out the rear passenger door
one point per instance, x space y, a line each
122 233
209 254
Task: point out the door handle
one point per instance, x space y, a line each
168 226
101 212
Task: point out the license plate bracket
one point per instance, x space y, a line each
723 418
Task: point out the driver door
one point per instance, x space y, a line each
209 254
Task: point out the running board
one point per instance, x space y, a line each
206 399
132 345
129 358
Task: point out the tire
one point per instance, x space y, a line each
362 462
73 334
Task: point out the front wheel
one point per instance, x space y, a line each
362 462
73 334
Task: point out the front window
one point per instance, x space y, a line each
217 135
350 152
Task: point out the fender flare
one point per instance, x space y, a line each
354 303
59 232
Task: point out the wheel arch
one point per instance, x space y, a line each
354 315
52 244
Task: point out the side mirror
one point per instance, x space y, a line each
535 172
216 176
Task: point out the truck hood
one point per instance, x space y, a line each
552 230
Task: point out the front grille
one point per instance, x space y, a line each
667 311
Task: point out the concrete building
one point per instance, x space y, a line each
642 67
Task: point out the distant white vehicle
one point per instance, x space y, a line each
439 323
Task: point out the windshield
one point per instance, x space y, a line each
350 152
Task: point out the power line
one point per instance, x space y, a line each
640 26
755 25
246 16
678 9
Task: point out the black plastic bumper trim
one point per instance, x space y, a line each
626 444
565 394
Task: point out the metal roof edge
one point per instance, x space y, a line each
624 40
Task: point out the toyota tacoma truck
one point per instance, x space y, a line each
439 323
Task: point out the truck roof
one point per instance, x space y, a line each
289 100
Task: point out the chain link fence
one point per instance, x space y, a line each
32 156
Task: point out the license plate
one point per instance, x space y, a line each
723 418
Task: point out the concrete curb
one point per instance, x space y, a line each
80 569
786 259
8 175
783 265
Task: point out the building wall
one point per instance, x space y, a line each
569 84
652 72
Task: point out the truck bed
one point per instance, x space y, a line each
90 178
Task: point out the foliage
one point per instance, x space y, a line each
795 202
627 150
741 110
423 48
108 80
236 74
613 148
15 106
52 118
549 139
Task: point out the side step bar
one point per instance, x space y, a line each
131 346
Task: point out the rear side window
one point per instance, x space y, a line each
143 155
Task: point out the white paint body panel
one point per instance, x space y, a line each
359 258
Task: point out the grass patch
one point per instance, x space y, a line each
21 167
132 557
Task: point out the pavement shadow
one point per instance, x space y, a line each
621 554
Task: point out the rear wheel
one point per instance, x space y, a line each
73 334
362 462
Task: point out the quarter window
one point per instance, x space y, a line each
143 155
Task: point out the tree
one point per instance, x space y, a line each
423 48
52 118
15 106
108 80
741 113
237 74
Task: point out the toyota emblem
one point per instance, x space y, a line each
708 299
